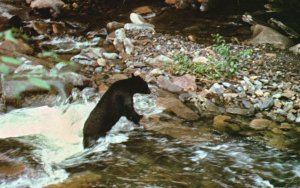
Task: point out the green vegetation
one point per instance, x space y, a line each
5 61
226 65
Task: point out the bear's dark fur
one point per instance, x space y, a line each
116 102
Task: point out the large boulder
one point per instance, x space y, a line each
266 35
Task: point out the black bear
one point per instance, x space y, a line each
117 101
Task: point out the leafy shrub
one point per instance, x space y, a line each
226 66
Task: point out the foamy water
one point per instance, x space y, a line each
58 137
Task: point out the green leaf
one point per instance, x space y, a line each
10 60
39 83
4 69
8 35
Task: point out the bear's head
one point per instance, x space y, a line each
140 85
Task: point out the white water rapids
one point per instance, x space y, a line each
58 136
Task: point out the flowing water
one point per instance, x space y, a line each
47 141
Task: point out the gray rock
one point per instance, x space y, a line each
295 49
288 106
137 19
217 89
139 27
277 96
129 47
83 60
111 56
247 104
291 117
264 104
240 111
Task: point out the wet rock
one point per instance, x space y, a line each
295 49
86 179
278 141
9 48
220 122
285 126
266 35
137 19
174 105
261 124
240 111
165 83
69 44
217 89
9 169
205 105
187 82
277 131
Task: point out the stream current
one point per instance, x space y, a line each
47 141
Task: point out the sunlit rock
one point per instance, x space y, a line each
174 105
265 35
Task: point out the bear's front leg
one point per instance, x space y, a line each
130 113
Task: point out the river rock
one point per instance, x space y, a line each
187 82
295 49
265 103
129 47
85 179
261 124
205 105
54 5
10 169
139 27
8 48
240 111
217 89
174 105
165 83
159 61
137 19
110 56
291 117
289 94
266 35
112 26
220 123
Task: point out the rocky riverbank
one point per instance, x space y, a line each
261 97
